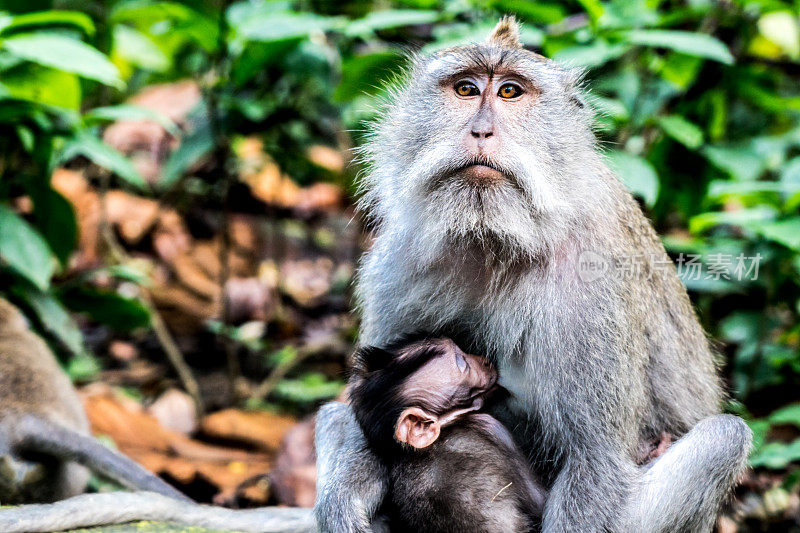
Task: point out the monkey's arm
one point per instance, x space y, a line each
120 507
351 481
40 435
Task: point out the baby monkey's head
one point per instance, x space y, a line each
486 142
407 392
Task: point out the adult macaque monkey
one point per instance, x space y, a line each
486 187
45 441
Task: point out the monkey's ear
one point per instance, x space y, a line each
417 428
506 33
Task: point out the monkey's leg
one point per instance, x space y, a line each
120 507
684 488
588 492
36 434
351 481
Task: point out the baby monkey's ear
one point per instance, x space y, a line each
506 33
417 428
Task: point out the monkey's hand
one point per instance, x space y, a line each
351 481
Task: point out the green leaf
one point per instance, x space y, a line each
366 74
389 18
742 217
789 414
741 163
593 8
42 85
180 21
83 367
689 43
680 69
108 307
740 327
776 455
51 17
683 131
610 107
55 218
542 12
130 112
196 145
280 26
55 319
740 189
760 428
64 53
24 249
636 173
137 48
312 387
785 232
593 55
791 171
132 273
103 155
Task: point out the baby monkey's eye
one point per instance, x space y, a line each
509 90
467 88
461 363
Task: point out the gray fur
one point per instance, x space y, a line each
692 478
120 507
344 452
595 367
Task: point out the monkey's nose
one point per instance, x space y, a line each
482 133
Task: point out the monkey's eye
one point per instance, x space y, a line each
509 90
462 363
467 88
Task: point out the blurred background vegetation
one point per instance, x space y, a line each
165 160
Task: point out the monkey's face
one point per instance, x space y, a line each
449 380
484 142
449 385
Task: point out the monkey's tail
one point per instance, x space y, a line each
120 507
50 438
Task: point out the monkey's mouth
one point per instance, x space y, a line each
481 174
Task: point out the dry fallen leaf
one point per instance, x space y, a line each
326 157
86 203
307 281
133 216
261 429
160 450
146 141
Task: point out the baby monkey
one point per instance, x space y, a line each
45 443
452 468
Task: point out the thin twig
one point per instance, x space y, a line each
266 387
219 71
164 337
174 354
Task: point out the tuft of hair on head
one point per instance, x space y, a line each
370 359
506 33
